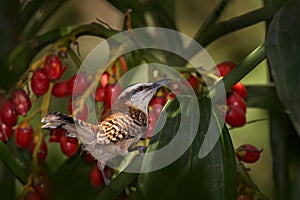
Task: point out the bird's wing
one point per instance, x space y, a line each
119 126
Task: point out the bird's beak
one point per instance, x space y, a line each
162 82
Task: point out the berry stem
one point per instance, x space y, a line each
38 137
94 84
242 171
74 57
32 115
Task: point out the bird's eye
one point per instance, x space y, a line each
140 88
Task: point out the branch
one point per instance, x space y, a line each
222 28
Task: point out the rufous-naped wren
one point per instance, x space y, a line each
118 131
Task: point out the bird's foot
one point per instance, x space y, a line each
140 149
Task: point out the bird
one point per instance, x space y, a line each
116 133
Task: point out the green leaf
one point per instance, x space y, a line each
9 20
283 52
71 180
42 13
8 158
285 146
264 96
29 10
211 177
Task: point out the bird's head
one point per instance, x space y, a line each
139 94
56 120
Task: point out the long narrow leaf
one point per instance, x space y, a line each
9 159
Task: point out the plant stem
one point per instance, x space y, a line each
219 29
246 66
211 19
94 84
74 57
241 70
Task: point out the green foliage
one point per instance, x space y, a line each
211 177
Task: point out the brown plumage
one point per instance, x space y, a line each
118 131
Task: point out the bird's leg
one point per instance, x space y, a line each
101 166
140 149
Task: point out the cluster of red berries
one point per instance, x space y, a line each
52 70
236 105
108 91
40 189
18 104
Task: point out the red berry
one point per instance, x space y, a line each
100 94
236 100
42 188
56 134
104 79
241 89
23 135
123 64
90 158
152 119
9 115
53 67
157 108
5 132
96 177
225 67
39 82
170 95
60 89
193 81
244 197
111 93
32 195
248 153
69 145
81 84
235 117
43 151
21 101
157 101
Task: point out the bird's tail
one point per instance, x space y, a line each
82 130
